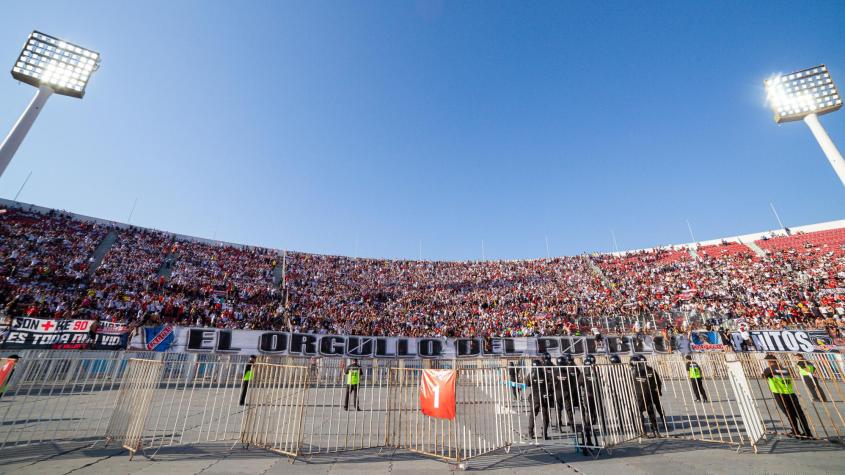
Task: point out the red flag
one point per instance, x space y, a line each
5 371
437 393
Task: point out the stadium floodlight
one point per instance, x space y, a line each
53 66
805 95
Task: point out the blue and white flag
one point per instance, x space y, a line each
159 338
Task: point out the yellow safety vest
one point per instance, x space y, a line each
248 375
781 385
694 372
807 370
352 377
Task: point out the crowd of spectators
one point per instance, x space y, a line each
145 277
50 269
45 263
646 291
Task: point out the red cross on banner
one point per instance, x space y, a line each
47 325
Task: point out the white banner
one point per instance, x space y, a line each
253 342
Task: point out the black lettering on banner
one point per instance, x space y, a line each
402 348
591 345
510 346
494 346
613 344
200 340
660 345
625 344
759 341
303 344
575 345
468 347
224 342
332 345
547 345
382 349
273 342
359 345
636 344
429 347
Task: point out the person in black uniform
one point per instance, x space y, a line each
540 397
591 405
622 408
353 379
565 388
808 373
648 387
696 379
783 392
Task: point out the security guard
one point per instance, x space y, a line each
783 392
566 389
353 378
591 405
695 379
247 378
807 372
648 387
540 397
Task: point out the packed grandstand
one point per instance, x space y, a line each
62 266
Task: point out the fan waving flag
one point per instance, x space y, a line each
437 393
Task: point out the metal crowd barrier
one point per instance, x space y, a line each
709 408
817 409
61 396
588 407
483 422
128 421
275 404
303 406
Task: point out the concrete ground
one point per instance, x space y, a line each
651 457
189 417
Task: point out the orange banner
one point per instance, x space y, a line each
437 393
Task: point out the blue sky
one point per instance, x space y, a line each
367 127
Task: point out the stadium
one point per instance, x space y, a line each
134 345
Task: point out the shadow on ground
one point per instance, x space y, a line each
518 457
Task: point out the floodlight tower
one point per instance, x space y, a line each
805 95
53 66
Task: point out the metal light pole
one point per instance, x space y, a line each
13 140
828 147
805 95
53 66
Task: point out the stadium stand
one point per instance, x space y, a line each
147 277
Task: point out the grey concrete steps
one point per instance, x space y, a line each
757 249
100 252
